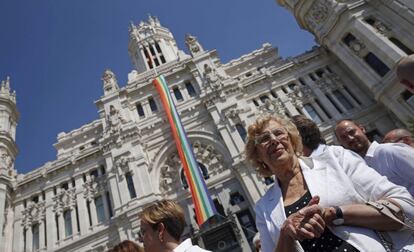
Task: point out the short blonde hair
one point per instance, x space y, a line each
168 212
257 128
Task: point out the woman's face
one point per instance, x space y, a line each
274 146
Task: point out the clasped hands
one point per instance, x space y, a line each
309 222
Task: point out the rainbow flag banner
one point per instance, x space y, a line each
204 207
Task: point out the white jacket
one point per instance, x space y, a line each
339 177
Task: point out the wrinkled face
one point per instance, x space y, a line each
274 146
149 237
352 137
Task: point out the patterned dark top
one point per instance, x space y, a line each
328 241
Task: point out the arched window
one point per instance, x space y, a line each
177 94
190 89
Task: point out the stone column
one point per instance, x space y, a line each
349 97
18 237
105 204
93 212
74 222
337 102
50 220
42 235
81 204
322 99
61 223
29 238
320 112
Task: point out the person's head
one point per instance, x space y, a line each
256 243
405 72
399 136
352 136
272 141
162 223
127 246
310 133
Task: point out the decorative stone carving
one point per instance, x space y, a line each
123 163
109 81
382 28
213 79
5 159
204 154
94 188
192 44
274 106
233 114
33 213
328 82
66 199
318 13
357 47
114 120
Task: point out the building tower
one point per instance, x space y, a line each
369 38
151 44
8 151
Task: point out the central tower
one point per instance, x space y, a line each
151 45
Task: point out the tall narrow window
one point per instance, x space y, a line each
57 226
190 89
255 103
302 81
312 77
35 241
100 210
313 113
109 203
343 100
177 94
88 207
149 58
68 223
94 174
242 131
157 46
130 184
140 110
152 104
376 64
400 45
77 218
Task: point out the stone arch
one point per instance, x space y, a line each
208 150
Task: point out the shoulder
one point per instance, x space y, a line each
393 149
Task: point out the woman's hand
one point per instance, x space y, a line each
307 223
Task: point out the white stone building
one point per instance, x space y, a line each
105 172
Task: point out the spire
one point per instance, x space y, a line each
151 45
5 90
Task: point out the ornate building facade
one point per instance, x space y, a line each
105 172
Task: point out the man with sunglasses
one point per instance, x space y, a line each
162 225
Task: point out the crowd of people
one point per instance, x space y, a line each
353 197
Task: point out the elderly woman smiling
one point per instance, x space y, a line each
320 204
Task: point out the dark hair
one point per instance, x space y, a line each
126 246
309 131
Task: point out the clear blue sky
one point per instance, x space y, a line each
55 52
